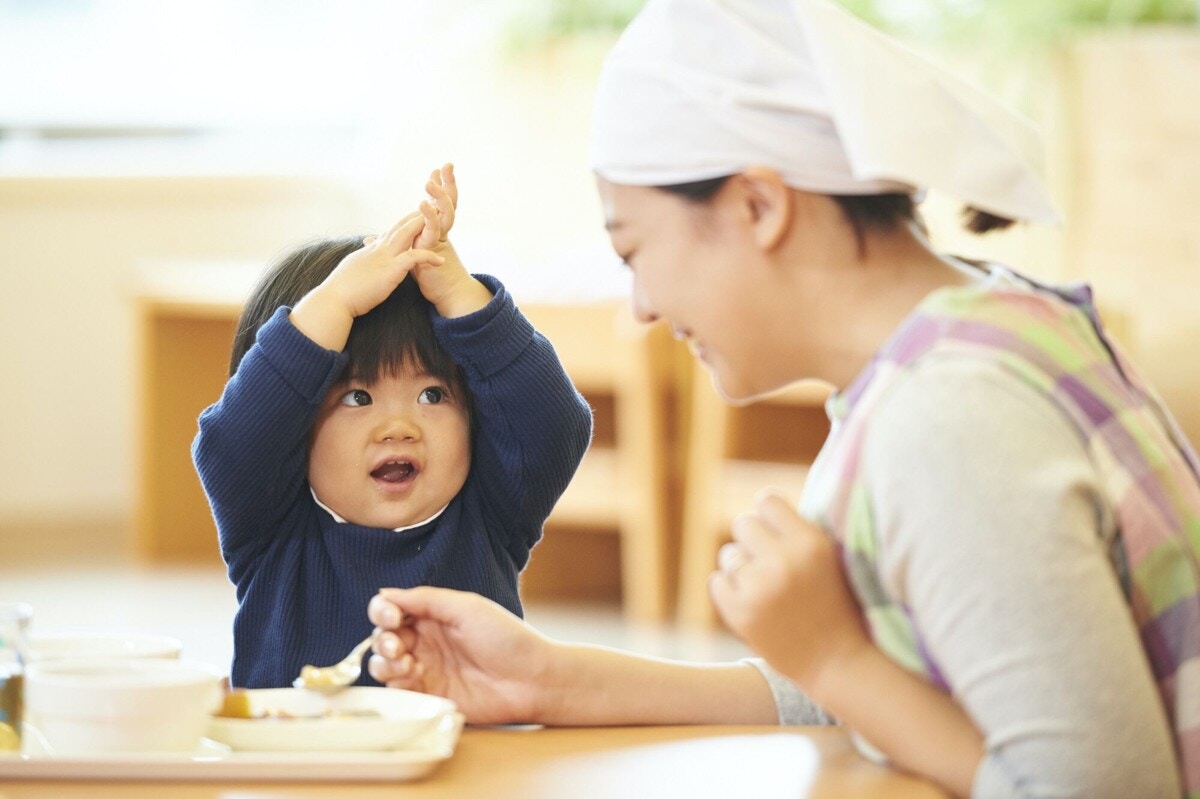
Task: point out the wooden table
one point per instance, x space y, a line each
584 763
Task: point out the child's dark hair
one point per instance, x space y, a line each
864 211
393 334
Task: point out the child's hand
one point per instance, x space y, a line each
449 286
781 589
442 203
363 279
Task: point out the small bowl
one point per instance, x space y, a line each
76 646
121 705
358 718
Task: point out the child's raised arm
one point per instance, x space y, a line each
364 278
449 286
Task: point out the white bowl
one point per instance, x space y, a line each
62 646
121 705
313 721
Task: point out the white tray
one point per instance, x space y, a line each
214 762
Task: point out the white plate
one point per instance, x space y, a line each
397 717
214 762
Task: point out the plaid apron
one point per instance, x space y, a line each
1051 339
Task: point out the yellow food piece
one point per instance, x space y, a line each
313 677
8 737
236 706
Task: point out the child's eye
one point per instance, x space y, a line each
432 396
355 398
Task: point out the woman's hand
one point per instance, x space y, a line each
461 646
781 589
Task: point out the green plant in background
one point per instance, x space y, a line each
568 16
540 22
1023 23
1019 23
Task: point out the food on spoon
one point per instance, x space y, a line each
314 677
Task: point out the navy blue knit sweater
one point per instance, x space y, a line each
303 579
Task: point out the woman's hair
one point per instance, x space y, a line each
396 333
863 211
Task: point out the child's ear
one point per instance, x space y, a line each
768 204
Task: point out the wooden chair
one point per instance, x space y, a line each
626 371
734 452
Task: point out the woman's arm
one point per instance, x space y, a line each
781 589
498 669
992 532
995 532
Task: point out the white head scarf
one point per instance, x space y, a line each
697 89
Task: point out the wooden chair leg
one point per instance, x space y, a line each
702 512
642 382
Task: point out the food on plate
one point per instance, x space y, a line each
237 705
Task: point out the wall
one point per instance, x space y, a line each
1131 111
73 247
1124 164
77 232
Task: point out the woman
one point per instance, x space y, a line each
989 579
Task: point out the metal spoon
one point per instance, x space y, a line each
339 675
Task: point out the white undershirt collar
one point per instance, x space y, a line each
340 520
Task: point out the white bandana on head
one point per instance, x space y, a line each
697 89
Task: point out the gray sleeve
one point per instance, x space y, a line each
793 705
994 532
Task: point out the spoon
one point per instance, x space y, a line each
339 675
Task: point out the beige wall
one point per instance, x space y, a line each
73 245
1131 105
72 249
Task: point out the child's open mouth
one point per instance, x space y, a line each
394 472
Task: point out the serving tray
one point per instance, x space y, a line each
215 762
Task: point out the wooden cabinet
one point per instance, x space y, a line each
184 336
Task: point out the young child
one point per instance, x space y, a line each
389 419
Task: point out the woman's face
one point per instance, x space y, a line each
695 265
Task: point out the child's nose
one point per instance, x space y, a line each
398 427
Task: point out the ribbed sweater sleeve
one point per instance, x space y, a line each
251 451
533 425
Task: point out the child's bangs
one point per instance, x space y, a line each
395 336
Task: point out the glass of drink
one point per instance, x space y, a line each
14 633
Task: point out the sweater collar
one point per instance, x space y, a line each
340 520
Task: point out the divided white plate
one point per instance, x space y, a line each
330 722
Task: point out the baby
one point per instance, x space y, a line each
390 419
